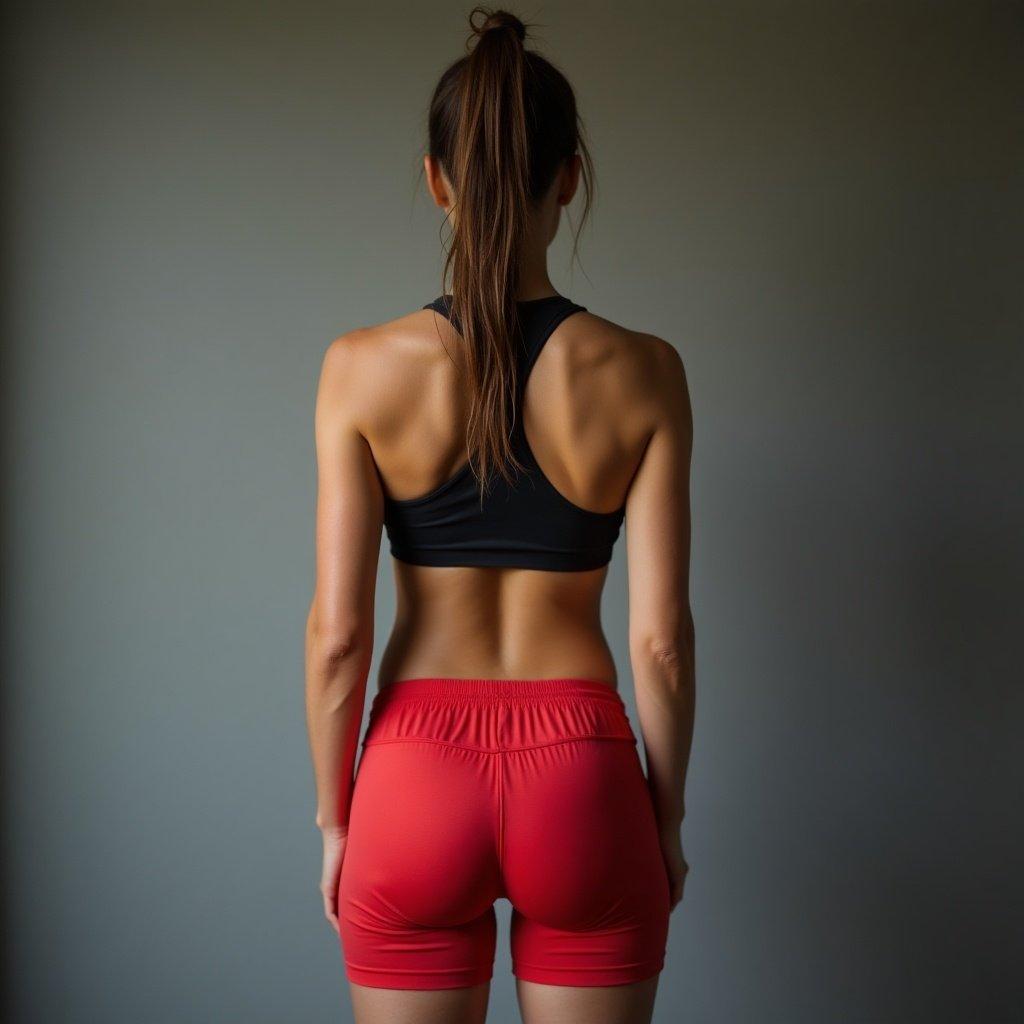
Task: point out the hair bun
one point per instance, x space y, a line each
496 20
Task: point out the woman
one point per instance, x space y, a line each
500 435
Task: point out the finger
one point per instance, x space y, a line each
331 911
330 895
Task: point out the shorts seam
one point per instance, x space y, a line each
635 972
501 814
416 970
498 750
422 978
638 965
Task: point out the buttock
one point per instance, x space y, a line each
469 791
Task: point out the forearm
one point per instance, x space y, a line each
665 684
336 673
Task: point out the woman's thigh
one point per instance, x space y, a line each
563 1004
441 1006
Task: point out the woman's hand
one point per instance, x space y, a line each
334 853
675 865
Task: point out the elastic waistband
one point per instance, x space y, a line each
495 690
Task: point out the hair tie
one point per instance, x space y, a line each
496 20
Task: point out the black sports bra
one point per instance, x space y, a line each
526 524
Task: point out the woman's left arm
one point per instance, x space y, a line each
339 630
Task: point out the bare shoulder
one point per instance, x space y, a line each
645 370
366 366
363 345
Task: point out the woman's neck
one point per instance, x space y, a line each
534 282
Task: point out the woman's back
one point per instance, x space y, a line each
500 437
590 405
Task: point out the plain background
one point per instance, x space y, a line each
820 204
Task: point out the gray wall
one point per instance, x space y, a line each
820 204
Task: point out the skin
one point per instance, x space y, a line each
607 414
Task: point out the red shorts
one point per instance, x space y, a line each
469 790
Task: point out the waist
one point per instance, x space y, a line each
497 714
497 625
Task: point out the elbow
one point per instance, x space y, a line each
333 651
665 654
667 646
664 662
336 652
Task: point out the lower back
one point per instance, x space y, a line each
488 623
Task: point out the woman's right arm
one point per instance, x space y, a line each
661 633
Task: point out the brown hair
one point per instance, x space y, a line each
503 121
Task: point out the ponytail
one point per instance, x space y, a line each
502 122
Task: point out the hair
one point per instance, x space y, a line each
503 122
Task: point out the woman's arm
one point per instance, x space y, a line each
339 630
661 633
